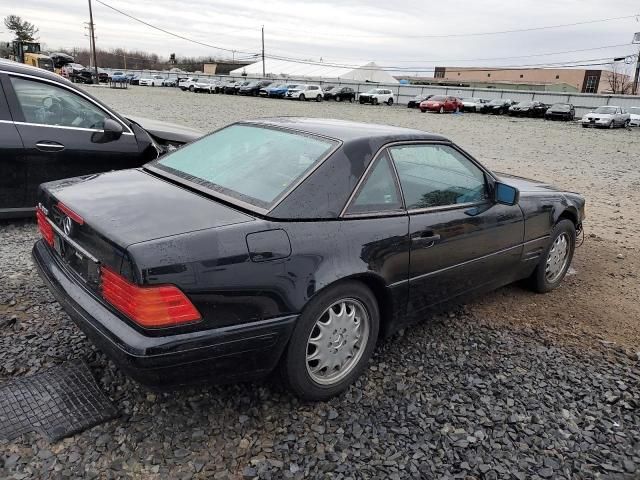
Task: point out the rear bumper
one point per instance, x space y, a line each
220 355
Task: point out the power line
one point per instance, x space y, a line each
217 47
472 34
503 58
397 68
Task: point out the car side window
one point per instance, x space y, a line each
379 191
437 175
46 104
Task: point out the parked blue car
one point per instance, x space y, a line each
277 91
119 77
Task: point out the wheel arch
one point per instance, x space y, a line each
380 291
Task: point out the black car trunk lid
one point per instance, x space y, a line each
106 213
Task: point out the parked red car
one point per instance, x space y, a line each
441 104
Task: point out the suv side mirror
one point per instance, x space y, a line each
112 130
505 194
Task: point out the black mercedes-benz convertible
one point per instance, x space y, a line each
290 244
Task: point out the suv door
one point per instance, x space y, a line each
13 168
460 239
62 132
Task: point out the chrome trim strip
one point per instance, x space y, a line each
49 145
453 206
58 126
72 242
111 113
424 275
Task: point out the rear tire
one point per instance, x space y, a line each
390 102
296 368
319 98
551 270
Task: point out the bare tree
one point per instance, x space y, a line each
620 82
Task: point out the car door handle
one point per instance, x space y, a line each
425 239
47 146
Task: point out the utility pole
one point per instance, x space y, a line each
263 69
93 44
125 59
634 90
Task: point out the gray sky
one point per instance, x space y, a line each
346 31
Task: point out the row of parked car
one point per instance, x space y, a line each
295 91
608 116
605 116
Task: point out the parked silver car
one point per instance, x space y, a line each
609 116
634 113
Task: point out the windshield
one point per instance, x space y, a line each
253 164
560 107
607 110
634 110
438 98
45 63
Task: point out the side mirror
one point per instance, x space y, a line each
112 130
506 194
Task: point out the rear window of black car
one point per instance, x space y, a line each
253 164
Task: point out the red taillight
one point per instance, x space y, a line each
70 213
149 307
45 228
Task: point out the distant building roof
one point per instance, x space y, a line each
365 72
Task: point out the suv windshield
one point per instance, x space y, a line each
609 110
253 164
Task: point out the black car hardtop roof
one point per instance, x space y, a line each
345 130
15 67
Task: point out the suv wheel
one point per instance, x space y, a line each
191 88
332 341
390 101
319 98
375 101
302 98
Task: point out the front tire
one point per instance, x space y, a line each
319 98
375 101
556 259
332 342
390 102
302 98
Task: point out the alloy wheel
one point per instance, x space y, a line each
337 341
558 258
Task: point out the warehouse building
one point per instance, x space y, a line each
578 80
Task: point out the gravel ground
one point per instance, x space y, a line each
512 386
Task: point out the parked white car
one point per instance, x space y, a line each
634 116
152 81
376 96
187 83
306 92
202 85
473 104
608 116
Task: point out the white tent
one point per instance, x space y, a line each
295 70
